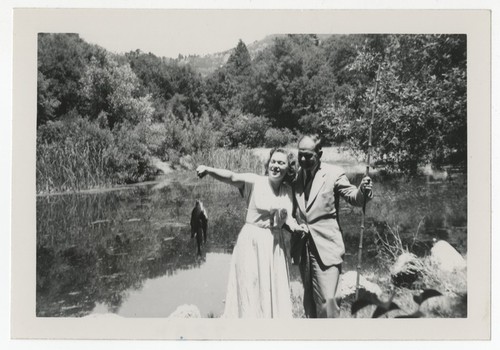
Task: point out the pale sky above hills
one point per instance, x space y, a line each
172 33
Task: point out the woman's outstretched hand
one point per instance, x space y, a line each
201 171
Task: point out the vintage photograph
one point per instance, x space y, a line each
268 174
128 224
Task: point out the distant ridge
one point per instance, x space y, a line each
207 64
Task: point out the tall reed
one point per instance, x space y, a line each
71 166
238 159
78 154
242 160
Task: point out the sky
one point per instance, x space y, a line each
168 35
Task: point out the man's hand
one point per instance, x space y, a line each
366 186
302 230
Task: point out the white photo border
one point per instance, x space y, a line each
475 23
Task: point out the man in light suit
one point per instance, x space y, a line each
317 191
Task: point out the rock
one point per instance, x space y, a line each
447 258
186 311
347 285
406 270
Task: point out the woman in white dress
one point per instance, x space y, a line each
258 285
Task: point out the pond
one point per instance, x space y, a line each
202 286
129 251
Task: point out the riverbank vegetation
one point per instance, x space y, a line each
103 117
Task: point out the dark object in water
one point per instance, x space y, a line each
199 223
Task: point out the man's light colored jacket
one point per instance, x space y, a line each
320 213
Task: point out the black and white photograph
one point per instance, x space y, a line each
125 225
233 172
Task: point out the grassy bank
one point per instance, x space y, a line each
239 160
78 154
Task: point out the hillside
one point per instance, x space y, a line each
207 64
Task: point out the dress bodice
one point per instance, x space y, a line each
263 203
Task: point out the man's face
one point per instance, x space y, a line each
308 158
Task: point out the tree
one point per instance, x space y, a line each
228 86
244 129
61 60
153 73
189 84
291 80
239 63
47 100
112 89
421 105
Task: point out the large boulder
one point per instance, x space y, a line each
186 311
446 258
406 270
347 285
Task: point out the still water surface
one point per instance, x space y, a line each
202 286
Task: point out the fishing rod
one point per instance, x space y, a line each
360 247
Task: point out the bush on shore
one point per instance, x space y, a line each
279 137
78 154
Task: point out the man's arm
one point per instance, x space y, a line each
352 194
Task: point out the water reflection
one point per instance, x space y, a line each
129 252
96 248
195 286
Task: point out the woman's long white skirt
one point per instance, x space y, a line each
258 285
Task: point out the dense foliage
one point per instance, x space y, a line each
121 111
420 115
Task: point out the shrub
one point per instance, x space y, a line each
71 155
188 135
129 157
278 137
312 123
78 154
203 134
153 136
245 130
